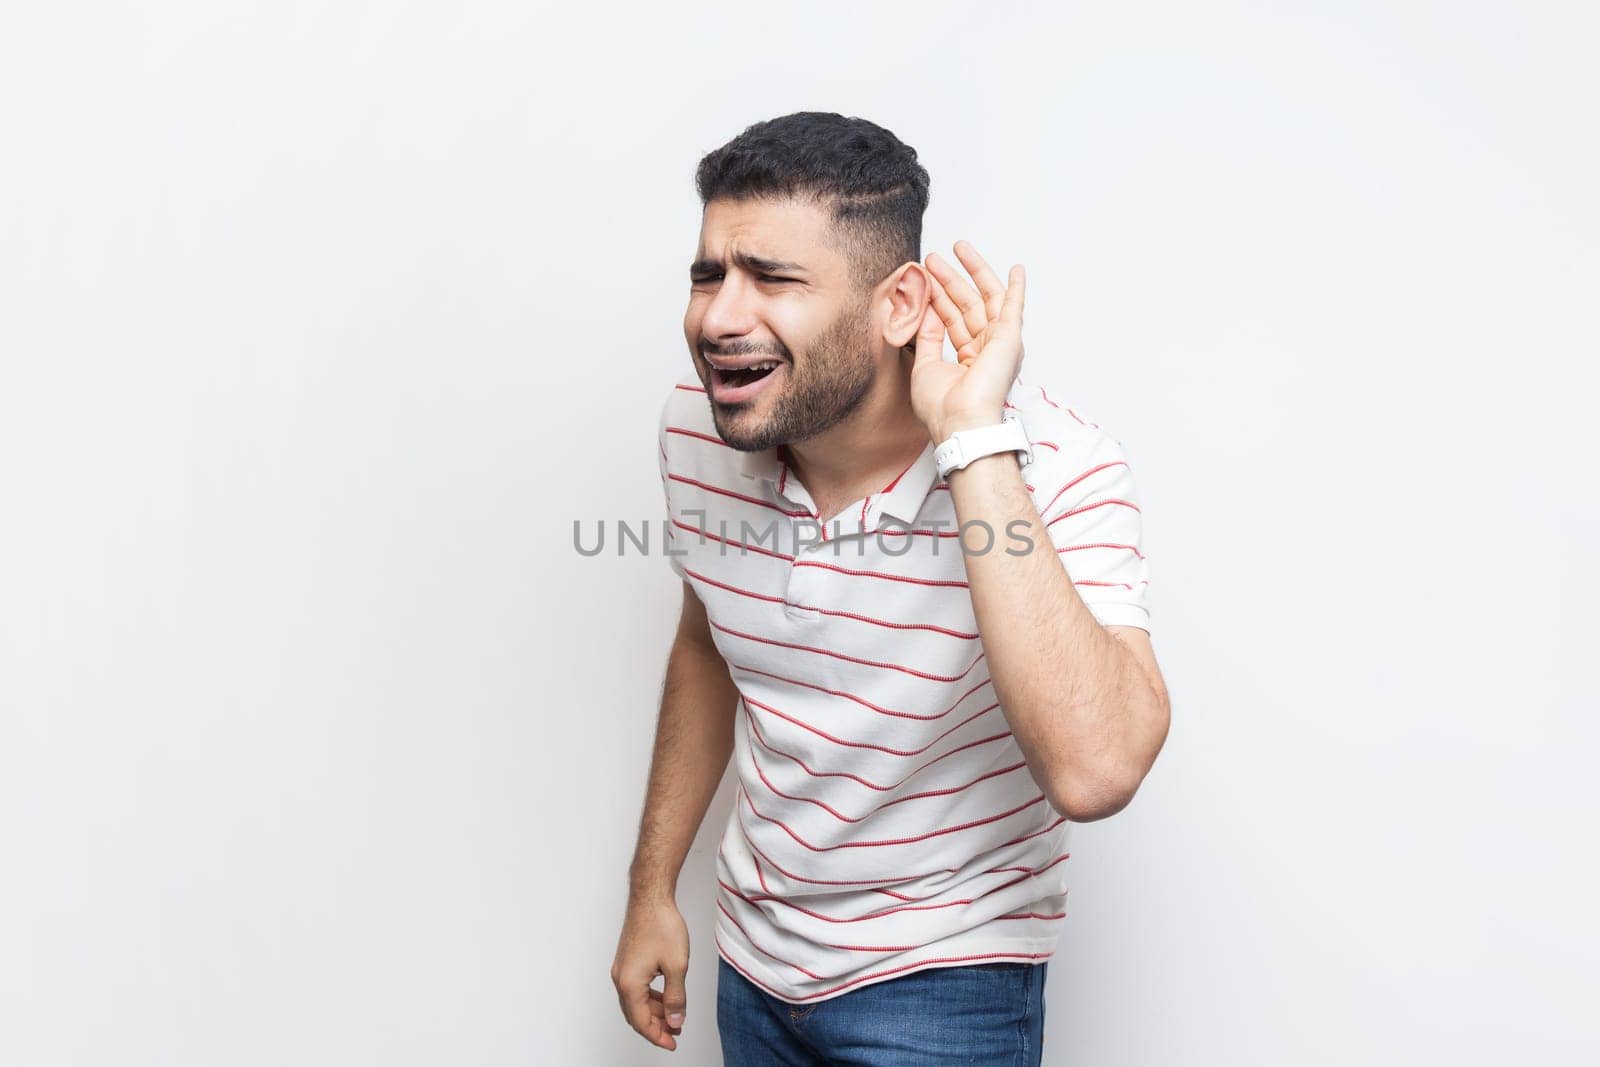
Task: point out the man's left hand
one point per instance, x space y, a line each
984 321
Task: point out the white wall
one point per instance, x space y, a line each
321 323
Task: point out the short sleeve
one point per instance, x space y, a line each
1090 506
669 540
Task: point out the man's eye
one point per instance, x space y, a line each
763 277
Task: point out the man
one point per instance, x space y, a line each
914 614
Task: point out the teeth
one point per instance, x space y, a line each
771 364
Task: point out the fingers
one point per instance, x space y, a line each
954 321
958 290
673 998
930 339
969 312
1011 308
966 345
658 1012
988 282
642 1008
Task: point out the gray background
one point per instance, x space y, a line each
321 323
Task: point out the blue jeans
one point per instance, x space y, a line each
986 1013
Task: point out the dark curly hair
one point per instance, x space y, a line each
868 178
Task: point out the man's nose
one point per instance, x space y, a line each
731 313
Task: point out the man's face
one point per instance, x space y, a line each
767 287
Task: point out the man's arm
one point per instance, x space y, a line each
1086 703
694 739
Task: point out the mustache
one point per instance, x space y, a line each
741 349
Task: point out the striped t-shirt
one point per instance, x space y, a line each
885 820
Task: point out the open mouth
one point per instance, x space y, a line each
745 376
737 384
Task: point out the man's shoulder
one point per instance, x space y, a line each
1055 424
687 434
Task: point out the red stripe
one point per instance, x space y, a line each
1032 870
889 842
853 948
857 778
1092 470
696 433
876 574
1102 544
915 905
753 901
863 744
1019 840
837 920
870 882
1091 507
828 611
756 863
1111 463
859 700
723 952
851 659
749 841
896 480
729 541
892 893
738 496
886 804
734 589
1026 872
892 483
763 951
1069 411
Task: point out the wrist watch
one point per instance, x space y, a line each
964 446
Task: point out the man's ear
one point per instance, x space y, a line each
908 292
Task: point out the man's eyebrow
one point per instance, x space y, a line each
746 260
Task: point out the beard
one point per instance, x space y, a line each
823 388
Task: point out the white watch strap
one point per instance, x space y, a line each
964 446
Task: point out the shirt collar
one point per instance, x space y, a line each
903 497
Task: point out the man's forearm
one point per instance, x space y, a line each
1081 708
694 738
